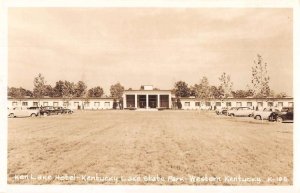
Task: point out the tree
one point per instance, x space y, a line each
95 92
226 84
193 90
64 89
216 92
19 92
242 93
49 91
238 93
117 91
58 89
181 89
260 78
39 86
68 90
80 89
202 90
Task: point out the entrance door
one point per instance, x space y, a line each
141 101
152 101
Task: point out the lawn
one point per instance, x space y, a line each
135 147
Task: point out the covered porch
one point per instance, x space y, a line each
147 101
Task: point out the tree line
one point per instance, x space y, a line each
64 89
259 87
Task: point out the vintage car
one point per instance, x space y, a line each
67 111
23 112
49 110
240 111
62 110
222 111
286 114
264 114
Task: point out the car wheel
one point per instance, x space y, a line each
279 119
11 115
271 118
257 117
33 115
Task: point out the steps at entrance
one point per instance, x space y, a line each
144 109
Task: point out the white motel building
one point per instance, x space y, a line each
151 99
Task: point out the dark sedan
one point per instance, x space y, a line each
49 110
285 115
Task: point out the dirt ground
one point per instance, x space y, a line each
161 148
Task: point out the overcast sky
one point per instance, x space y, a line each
156 46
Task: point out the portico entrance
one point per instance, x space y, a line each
147 99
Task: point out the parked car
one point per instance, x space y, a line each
49 110
62 110
222 111
23 112
59 110
67 111
286 114
264 114
240 111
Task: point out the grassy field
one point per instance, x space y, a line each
144 147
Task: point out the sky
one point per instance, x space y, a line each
149 46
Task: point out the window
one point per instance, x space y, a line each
14 104
290 104
55 104
270 104
249 104
45 103
24 103
96 104
76 104
187 104
35 104
228 104
259 104
218 104
280 104
66 104
107 104
238 104
207 104
197 104
86 104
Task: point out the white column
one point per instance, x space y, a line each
124 102
170 101
147 105
135 101
158 101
